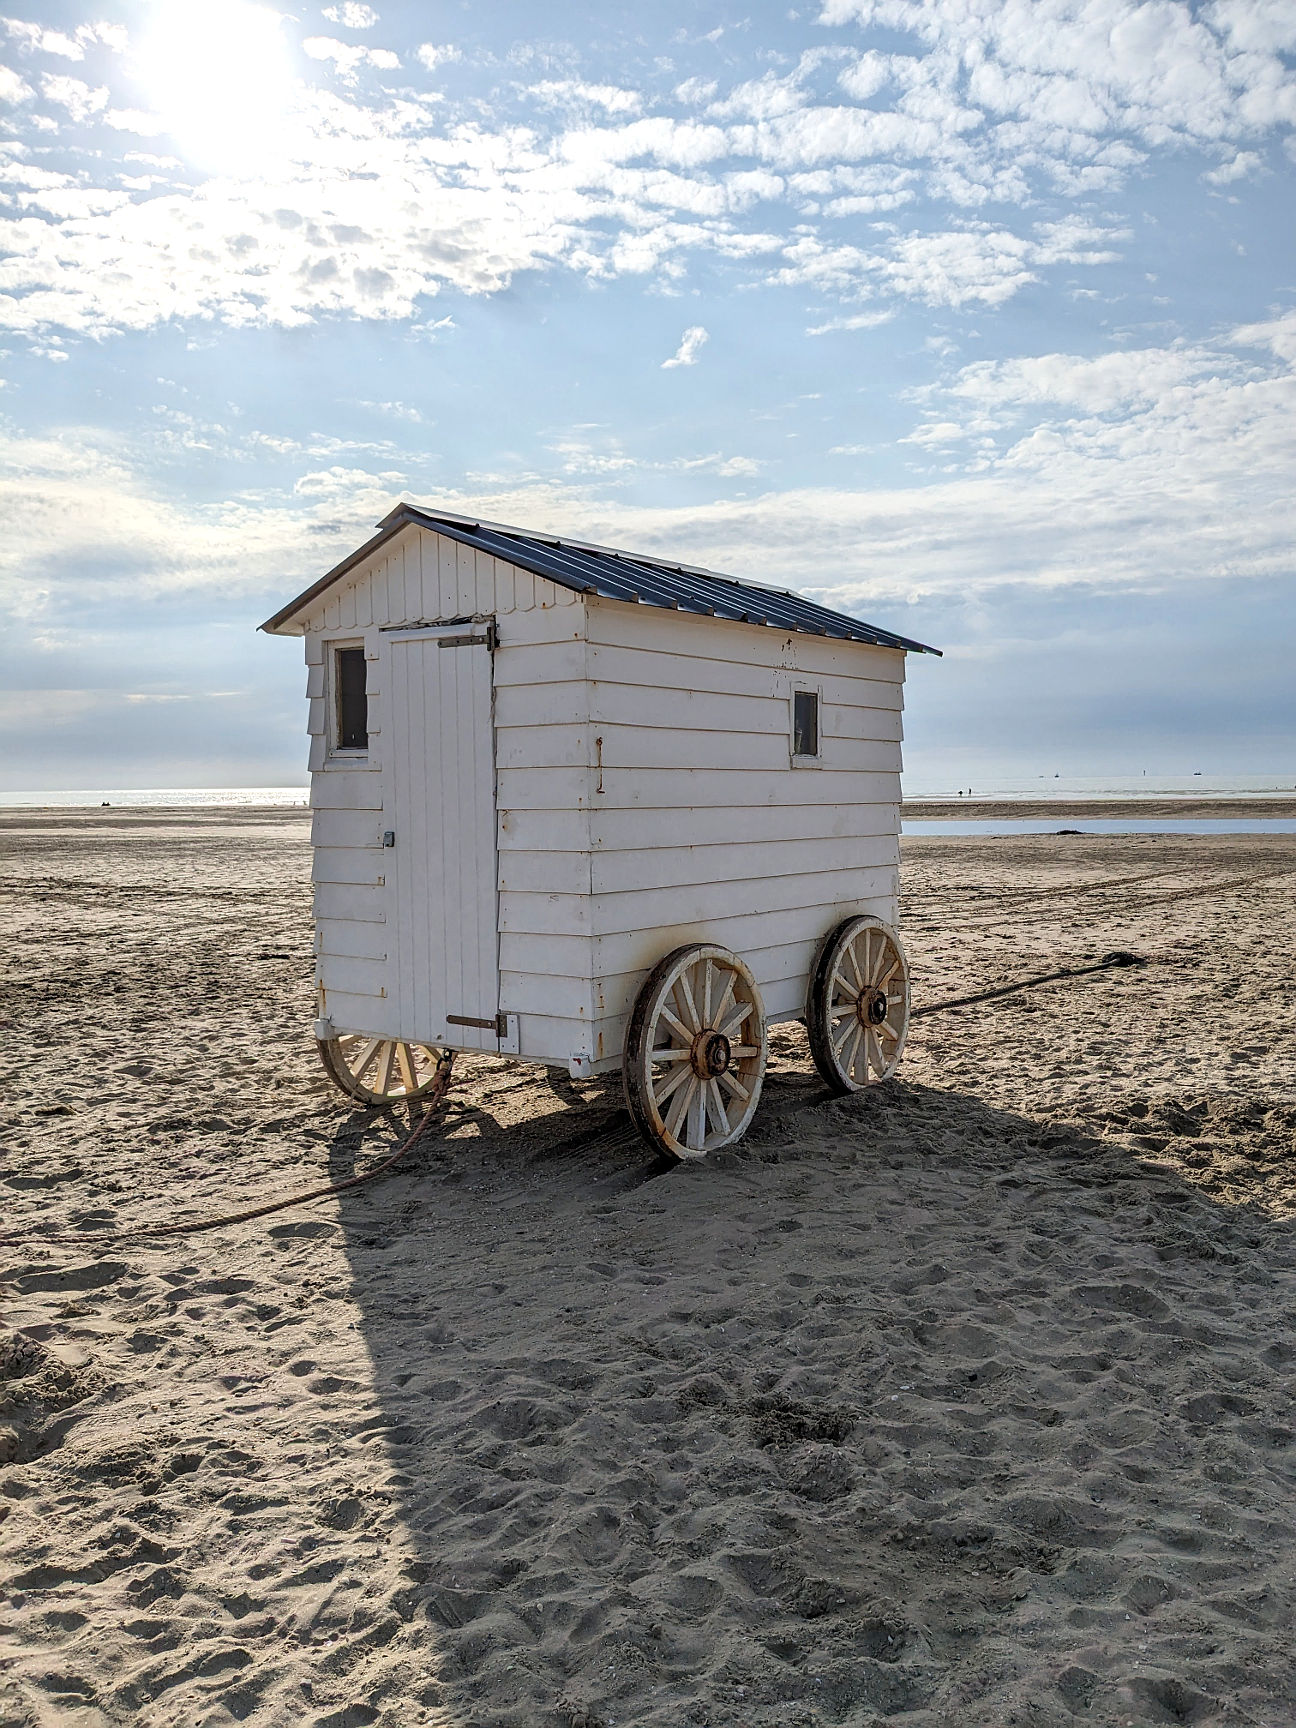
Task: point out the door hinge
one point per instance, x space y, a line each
498 1024
488 638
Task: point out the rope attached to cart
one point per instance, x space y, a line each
1109 961
436 1097
435 1100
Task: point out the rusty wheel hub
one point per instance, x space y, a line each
712 1055
871 1007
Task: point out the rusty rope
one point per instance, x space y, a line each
435 1095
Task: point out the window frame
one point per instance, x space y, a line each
802 687
337 751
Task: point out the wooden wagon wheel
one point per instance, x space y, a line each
695 1052
379 1070
857 1012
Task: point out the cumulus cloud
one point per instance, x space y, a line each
347 58
691 344
433 54
352 16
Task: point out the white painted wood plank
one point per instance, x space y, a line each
543 830
544 873
549 1038
541 623
347 789
316 717
655 668
355 976
702 902
543 746
613 872
363 865
315 683
726 786
340 827
625 624
314 648
643 704
317 755
546 993
523 663
541 914
627 950
350 1012
349 900
631 830
550 954
562 703
352 938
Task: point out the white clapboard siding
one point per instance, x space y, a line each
350 938
665 908
362 866
714 788
543 873
347 789
614 873
346 827
770 750
614 623
350 900
543 746
354 1012
355 976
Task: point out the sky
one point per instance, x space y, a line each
975 318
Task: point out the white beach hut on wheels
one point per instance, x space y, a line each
597 811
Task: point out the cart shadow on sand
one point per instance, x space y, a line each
907 1405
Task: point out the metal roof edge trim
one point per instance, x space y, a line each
464 529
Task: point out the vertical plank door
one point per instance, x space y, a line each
443 866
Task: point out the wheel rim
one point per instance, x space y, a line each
380 1070
858 1012
695 1052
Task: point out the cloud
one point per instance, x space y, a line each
571 92
851 321
82 103
347 58
352 16
431 54
14 88
691 344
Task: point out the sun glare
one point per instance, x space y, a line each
218 72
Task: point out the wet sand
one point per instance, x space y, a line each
965 1401
1099 809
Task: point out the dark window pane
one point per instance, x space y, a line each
352 702
805 723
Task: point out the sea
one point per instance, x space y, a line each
1035 788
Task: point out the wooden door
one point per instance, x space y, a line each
442 868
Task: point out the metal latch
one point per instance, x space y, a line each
498 1024
389 836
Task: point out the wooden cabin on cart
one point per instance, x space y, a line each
597 811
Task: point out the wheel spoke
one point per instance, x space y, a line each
707 978
839 1044
677 1025
407 1067
679 1108
725 998
695 1139
852 1054
735 1085
840 1012
688 1005
386 1063
668 1053
850 956
670 1084
357 1068
743 1050
715 1107
875 1054
742 1011
889 974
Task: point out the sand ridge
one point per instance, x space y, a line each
968 1400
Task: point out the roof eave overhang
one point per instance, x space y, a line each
462 529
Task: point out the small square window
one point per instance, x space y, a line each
352 699
805 722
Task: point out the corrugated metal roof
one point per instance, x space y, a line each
621 576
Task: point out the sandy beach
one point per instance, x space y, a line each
968 1400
